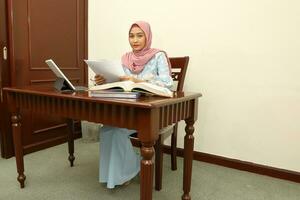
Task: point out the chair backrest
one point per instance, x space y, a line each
179 66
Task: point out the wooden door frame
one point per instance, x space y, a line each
7 148
6 139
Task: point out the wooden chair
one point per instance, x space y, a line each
179 67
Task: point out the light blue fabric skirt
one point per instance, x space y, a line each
118 160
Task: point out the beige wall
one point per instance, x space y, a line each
244 59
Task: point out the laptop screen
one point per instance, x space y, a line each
58 72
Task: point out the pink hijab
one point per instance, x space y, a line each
136 61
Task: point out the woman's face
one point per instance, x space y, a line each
137 38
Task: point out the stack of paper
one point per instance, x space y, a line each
114 94
110 70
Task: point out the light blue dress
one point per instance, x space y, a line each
118 160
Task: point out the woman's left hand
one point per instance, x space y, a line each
130 78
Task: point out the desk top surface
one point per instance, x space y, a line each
143 101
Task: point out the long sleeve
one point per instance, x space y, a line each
156 71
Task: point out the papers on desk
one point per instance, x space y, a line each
110 69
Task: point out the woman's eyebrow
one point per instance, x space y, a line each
138 33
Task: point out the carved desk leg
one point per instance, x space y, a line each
16 129
71 130
147 151
188 158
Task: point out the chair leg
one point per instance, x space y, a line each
158 164
174 148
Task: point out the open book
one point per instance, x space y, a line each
130 86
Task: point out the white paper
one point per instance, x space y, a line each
111 70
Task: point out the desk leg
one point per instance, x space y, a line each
71 130
147 151
158 163
17 137
188 158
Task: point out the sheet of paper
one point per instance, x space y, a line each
111 70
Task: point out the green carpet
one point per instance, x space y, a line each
50 177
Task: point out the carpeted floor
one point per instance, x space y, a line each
49 177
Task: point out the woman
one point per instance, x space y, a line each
119 163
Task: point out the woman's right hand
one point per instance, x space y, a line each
99 79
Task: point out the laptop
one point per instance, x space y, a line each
62 83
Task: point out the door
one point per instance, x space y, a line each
39 30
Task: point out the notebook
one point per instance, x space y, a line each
114 93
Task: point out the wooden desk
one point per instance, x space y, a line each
146 115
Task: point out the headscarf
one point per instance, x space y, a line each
136 61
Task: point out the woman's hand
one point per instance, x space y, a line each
125 78
130 78
99 79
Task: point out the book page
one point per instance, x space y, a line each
155 89
128 86
125 85
111 70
